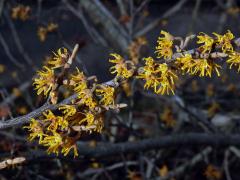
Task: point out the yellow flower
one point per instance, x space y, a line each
22 110
234 60
53 142
166 79
68 110
89 118
122 68
42 33
204 68
79 81
186 63
60 58
164 46
45 82
86 98
107 95
52 27
69 144
148 73
167 117
212 172
2 68
91 122
35 130
157 76
225 41
21 12
207 42
163 171
54 122
16 92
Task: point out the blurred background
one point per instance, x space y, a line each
31 30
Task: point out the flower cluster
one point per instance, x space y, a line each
60 129
43 31
21 12
198 66
47 80
207 42
158 76
122 67
202 61
165 45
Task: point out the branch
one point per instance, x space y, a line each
8 53
110 28
167 14
184 140
17 40
36 113
26 118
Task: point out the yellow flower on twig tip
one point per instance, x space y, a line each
35 130
107 95
45 82
204 68
164 46
201 67
60 58
224 41
79 81
149 74
234 60
186 63
157 76
68 110
54 122
86 98
207 42
167 78
53 142
90 123
121 68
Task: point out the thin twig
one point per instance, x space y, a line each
96 37
156 22
8 53
18 41
122 8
